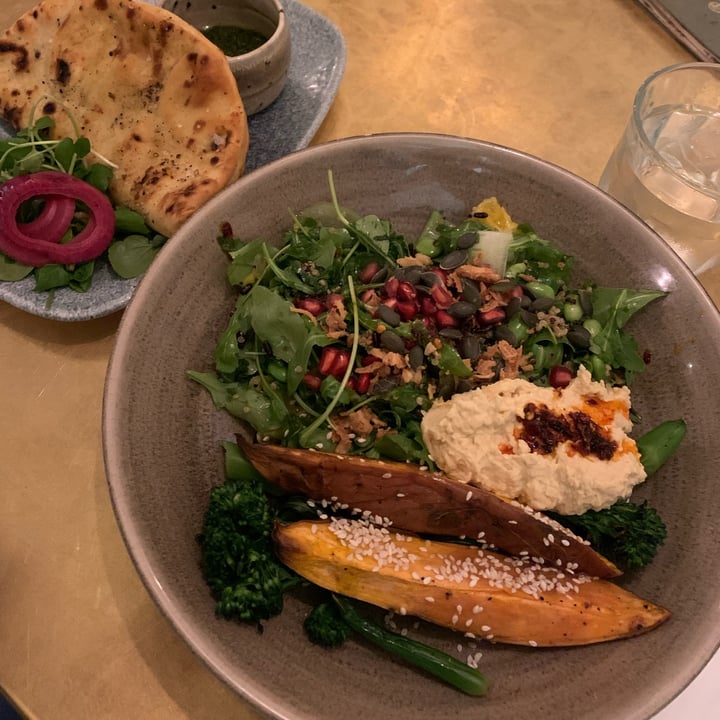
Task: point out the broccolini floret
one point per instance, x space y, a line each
238 563
325 626
626 533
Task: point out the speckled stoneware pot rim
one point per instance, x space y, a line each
162 440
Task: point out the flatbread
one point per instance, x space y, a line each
151 93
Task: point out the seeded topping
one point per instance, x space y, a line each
389 552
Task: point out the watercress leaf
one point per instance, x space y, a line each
51 276
248 263
131 256
82 147
374 227
129 221
65 154
97 175
44 122
27 163
10 270
81 276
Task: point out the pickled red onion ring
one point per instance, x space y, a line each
53 221
88 244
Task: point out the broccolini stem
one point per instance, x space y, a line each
435 662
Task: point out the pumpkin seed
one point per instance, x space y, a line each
392 342
466 241
453 259
461 309
389 316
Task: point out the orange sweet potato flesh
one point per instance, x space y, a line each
425 502
416 583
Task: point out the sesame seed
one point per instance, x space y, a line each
387 475
532 643
469 495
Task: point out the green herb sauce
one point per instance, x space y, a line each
234 40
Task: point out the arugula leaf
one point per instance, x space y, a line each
615 306
244 402
248 263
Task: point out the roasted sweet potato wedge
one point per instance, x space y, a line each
426 503
462 587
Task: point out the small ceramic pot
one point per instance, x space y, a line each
261 73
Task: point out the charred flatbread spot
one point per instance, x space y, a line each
62 71
49 108
137 137
192 57
165 29
214 160
101 5
21 59
20 25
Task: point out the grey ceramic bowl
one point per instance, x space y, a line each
261 74
162 440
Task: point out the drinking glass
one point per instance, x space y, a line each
666 166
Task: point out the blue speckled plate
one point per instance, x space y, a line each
289 124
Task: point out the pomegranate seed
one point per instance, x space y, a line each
442 296
369 360
369 271
390 302
427 305
440 273
226 230
327 359
445 319
333 298
361 383
314 306
391 287
560 376
407 310
406 291
339 366
312 381
491 317
516 291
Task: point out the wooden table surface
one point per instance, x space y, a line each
79 635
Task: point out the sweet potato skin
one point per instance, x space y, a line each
591 611
424 502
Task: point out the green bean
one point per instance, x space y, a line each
572 311
657 445
592 326
538 289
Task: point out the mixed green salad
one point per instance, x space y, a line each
348 325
